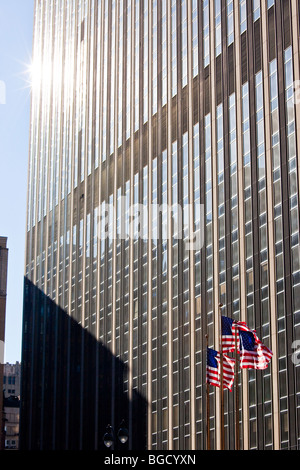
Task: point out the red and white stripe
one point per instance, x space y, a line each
228 341
258 359
213 374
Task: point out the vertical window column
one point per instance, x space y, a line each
262 208
154 56
94 271
154 233
234 209
83 47
249 251
87 270
120 74
221 206
197 257
112 80
98 82
80 268
74 269
109 261
184 43
195 37
175 326
209 263
186 287
164 301
125 352
174 47
146 62
91 87
102 272
137 63
105 83
206 33
119 216
164 54
144 283
128 70
135 286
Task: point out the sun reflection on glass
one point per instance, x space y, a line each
40 74
46 75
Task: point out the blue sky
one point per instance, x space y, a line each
16 29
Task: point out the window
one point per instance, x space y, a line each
256 9
243 16
154 56
195 36
184 41
206 50
218 28
230 22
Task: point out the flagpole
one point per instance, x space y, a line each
221 380
237 405
207 404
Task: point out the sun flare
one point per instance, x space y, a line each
41 72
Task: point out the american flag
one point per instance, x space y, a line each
242 326
228 334
253 353
213 369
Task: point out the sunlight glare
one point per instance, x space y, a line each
40 74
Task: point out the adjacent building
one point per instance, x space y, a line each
11 390
12 421
12 379
191 105
3 292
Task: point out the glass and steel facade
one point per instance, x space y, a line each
181 103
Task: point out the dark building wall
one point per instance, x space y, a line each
66 396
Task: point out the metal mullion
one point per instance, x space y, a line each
191 233
240 177
149 247
215 223
169 243
271 245
285 220
132 156
159 221
255 215
180 241
98 365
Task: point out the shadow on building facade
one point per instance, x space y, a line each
72 386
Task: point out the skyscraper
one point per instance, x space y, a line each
189 109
